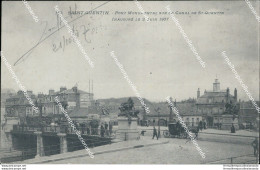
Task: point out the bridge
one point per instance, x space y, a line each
50 140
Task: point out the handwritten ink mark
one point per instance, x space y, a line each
55 32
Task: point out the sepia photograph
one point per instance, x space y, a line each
130 83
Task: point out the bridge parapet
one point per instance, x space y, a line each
55 130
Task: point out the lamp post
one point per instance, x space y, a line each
144 117
158 111
171 115
38 104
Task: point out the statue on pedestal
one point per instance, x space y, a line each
127 110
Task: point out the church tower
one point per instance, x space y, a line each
216 86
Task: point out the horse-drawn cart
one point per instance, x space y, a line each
176 130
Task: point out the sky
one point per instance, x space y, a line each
155 55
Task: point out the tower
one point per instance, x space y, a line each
216 86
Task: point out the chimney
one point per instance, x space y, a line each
235 94
227 94
92 86
198 93
62 89
89 86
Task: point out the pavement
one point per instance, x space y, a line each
148 151
219 147
6 155
215 135
245 133
121 146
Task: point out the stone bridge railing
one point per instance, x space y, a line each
62 132
64 129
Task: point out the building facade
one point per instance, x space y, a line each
248 115
18 105
212 103
186 110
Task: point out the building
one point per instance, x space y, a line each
248 115
212 103
186 110
19 106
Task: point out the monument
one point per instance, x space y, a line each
127 121
230 116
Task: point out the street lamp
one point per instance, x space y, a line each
171 115
144 117
158 111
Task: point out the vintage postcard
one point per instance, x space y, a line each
130 82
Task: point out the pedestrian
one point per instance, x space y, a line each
106 129
110 128
155 133
255 146
204 125
196 132
159 133
200 125
102 131
88 131
233 130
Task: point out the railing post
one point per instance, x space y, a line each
63 142
40 149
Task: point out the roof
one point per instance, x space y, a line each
216 97
84 112
215 94
184 108
70 91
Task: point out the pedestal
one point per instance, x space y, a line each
127 130
63 142
227 121
40 149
